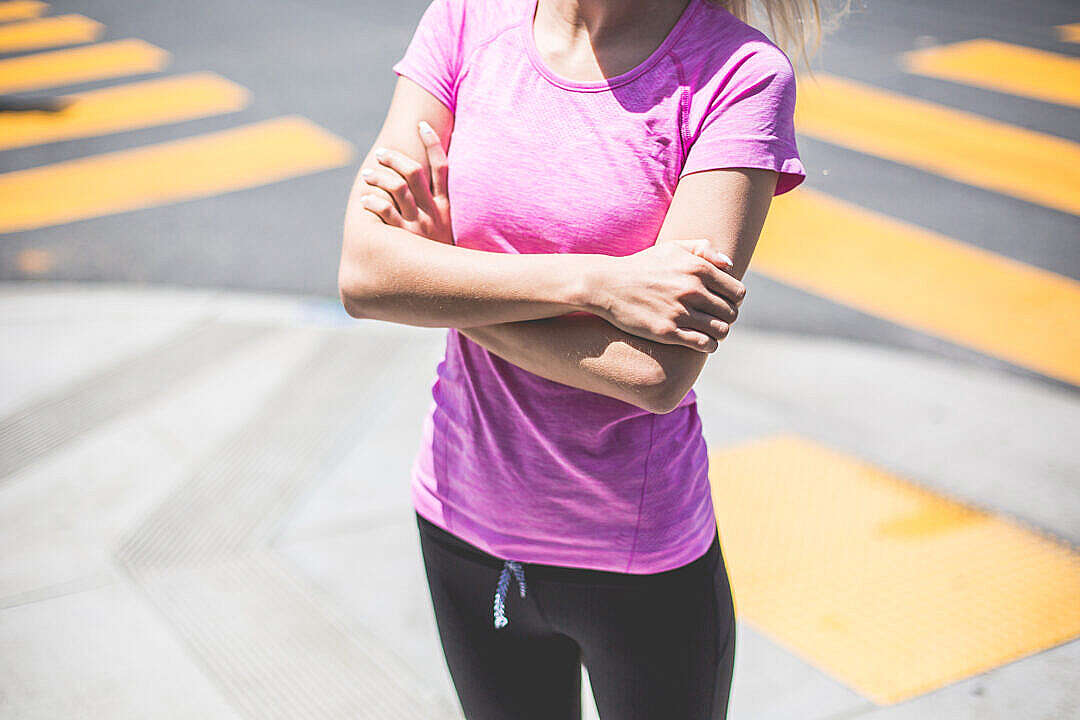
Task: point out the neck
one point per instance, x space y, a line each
604 20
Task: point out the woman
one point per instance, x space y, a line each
610 164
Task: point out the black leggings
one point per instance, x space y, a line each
655 646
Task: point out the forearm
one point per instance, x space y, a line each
391 274
587 352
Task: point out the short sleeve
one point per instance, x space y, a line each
432 58
749 119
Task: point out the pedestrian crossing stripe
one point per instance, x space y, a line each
21 9
893 590
125 107
1069 33
1004 67
101 61
48 32
923 280
962 146
194 167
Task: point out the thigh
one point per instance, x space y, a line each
654 646
523 670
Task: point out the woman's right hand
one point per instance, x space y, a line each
675 292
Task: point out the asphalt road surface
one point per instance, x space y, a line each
961 161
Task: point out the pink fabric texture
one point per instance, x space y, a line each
523 467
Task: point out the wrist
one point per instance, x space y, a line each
589 293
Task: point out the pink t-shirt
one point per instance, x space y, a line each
523 467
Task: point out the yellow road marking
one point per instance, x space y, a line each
924 280
21 9
48 32
195 167
68 67
1069 33
124 107
1008 68
962 146
893 590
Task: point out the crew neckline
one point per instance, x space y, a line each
531 50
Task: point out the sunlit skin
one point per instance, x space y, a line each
422 206
638 328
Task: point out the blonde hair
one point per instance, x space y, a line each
796 26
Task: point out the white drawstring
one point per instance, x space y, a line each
509 566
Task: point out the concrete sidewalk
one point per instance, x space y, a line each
204 505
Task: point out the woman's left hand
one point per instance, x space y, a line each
421 204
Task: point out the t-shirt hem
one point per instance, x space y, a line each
417 75
430 508
687 553
752 153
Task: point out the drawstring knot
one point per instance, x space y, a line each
509 566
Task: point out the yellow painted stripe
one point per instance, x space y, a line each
185 169
893 590
84 64
1070 32
48 32
124 107
1008 68
925 281
968 148
21 9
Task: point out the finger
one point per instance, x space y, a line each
411 173
383 208
393 184
396 186
695 340
436 159
704 249
710 325
722 284
714 306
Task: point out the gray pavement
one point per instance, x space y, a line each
205 512
204 503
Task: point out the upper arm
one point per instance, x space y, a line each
409 104
743 152
727 206
426 87
425 90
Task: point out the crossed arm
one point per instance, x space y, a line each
586 351
560 341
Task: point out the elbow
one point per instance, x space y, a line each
351 292
357 279
664 397
661 392
347 302
671 380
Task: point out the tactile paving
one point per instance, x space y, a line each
890 588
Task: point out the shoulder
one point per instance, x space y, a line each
719 49
483 19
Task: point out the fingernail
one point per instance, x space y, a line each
367 172
425 128
380 153
725 258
